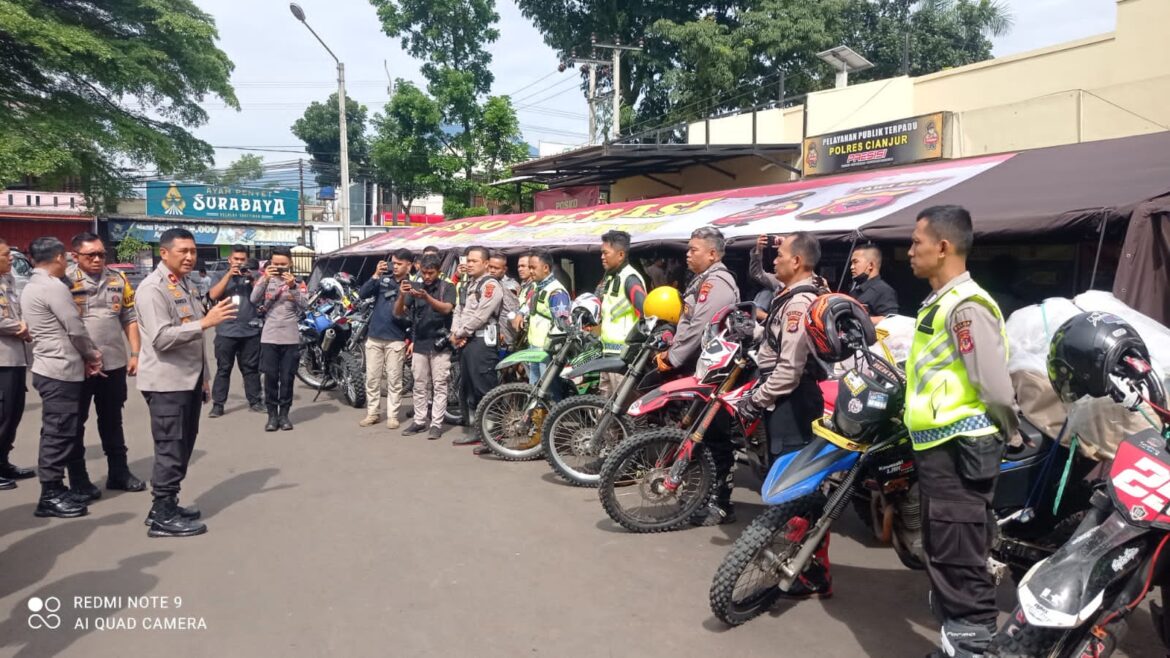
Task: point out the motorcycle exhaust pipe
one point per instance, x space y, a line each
327 340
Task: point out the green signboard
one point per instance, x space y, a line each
193 201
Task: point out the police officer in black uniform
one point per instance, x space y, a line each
237 340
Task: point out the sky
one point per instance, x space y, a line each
280 67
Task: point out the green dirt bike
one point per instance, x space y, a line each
510 417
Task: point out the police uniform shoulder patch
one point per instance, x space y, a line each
792 322
704 289
966 343
488 291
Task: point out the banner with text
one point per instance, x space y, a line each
208 234
895 143
191 201
838 203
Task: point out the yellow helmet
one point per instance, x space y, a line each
663 303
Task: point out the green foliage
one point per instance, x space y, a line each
407 151
130 247
246 168
318 128
445 35
497 134
88 88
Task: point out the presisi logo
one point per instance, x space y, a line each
867 199
49 606
173 203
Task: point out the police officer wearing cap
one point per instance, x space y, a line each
14 359
623 294
712 289
173 375
960 407
105 299
475 332
63 356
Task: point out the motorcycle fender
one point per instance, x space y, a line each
798 474
686 389
1067 588
530 355
605 364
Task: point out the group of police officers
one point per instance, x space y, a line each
960 405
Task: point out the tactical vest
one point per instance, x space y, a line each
941 402
540 325
618 315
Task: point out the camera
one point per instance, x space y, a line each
443 343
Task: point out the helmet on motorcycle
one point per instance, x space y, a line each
867 398
344 279
1086 350
586 310
663 303
332 287
838 326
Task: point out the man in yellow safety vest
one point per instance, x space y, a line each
960 407
622 292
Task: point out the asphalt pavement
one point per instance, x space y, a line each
335 540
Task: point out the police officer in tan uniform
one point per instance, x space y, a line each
14 358
475 332
105 300
712 289
173 375
63 356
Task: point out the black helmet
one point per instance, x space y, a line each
1086 349
838 326
866 400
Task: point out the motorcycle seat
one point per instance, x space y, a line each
1035 442
604 364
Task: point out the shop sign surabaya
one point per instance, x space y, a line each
884 144
193 201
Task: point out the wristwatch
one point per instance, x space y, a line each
134 354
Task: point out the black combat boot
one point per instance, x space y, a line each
282 418
121 479
190 513
168 522
57 501
80 486
273 423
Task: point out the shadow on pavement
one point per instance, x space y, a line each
236 489
128 579
20 517
315 411
30 558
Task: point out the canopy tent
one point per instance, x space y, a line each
1011 195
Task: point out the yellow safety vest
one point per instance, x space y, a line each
618 315
941 403
540 325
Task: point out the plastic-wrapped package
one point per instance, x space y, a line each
896 332
1030 330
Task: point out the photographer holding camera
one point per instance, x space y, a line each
427 307
237 339
386 343
281 301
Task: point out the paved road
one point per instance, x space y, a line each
342 541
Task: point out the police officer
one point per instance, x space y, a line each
960 407
238 339
63 356
386 342
498 268
474 331
173 376
712 289
105 300
427 308
14 357
869 288
623 293
283 301
550 309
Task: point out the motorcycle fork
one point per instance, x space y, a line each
619 400
682 456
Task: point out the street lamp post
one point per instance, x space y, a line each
343 197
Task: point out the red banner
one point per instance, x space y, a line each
567 198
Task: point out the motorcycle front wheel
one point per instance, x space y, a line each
454 411
353 380
632 485
747 583
506 426
568 436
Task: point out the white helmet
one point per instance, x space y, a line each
586 309
332 286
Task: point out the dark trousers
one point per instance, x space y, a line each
108 396
12 391
60 416
278 364
957 533
477 362
227 352
790 422
174 423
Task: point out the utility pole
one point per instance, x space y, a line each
617 49
592 63
301 198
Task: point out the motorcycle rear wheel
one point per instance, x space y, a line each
506 428
353 380
751 561
568 433
310 371
634 472
454 410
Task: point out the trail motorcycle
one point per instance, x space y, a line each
862 455
510 418
582 430
1075 603
332 336
657 480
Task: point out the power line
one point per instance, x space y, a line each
530 84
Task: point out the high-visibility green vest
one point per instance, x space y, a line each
540 325
618 315
941 402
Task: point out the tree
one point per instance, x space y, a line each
129 248
408 152
248 167
318 128
88 88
